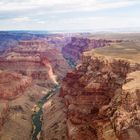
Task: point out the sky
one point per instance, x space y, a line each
70 15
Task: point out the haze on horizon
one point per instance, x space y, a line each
70 15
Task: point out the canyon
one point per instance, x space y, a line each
69 87
102 100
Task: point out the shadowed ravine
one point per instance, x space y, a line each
37 116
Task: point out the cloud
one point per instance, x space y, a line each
41 22
21 19
62 5
77 24
66 14
51 8
93 23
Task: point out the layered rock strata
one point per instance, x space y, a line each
54 119
28 58
102 100
18 97
12 84
74 48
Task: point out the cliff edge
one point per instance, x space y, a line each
102 99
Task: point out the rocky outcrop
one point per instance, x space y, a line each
12 87
126 119
102 100
12 84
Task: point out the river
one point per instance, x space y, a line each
37 116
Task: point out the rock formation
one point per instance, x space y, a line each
99 100
77 45
12 84
102 100
54 119
28 59
18 95
30 69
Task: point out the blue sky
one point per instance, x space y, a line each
70 15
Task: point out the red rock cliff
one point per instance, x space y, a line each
27 58
100 106
12 84
74 48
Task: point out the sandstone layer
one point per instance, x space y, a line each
12 84
54 119
99 100
74 48
102 100
28 58
29 70
17 98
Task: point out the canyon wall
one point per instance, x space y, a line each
18 95
12 86
74 48
102 100
28 71
28 59
99 100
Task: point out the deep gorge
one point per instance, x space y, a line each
69 87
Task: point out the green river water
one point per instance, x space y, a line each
37 116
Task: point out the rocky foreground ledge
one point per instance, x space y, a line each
101 100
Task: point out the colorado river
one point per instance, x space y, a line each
37 116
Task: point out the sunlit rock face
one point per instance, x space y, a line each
51 74
102 100
12 85
126 119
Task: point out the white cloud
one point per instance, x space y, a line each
62 5
78 24
21 19
41 22
94 23
61 14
